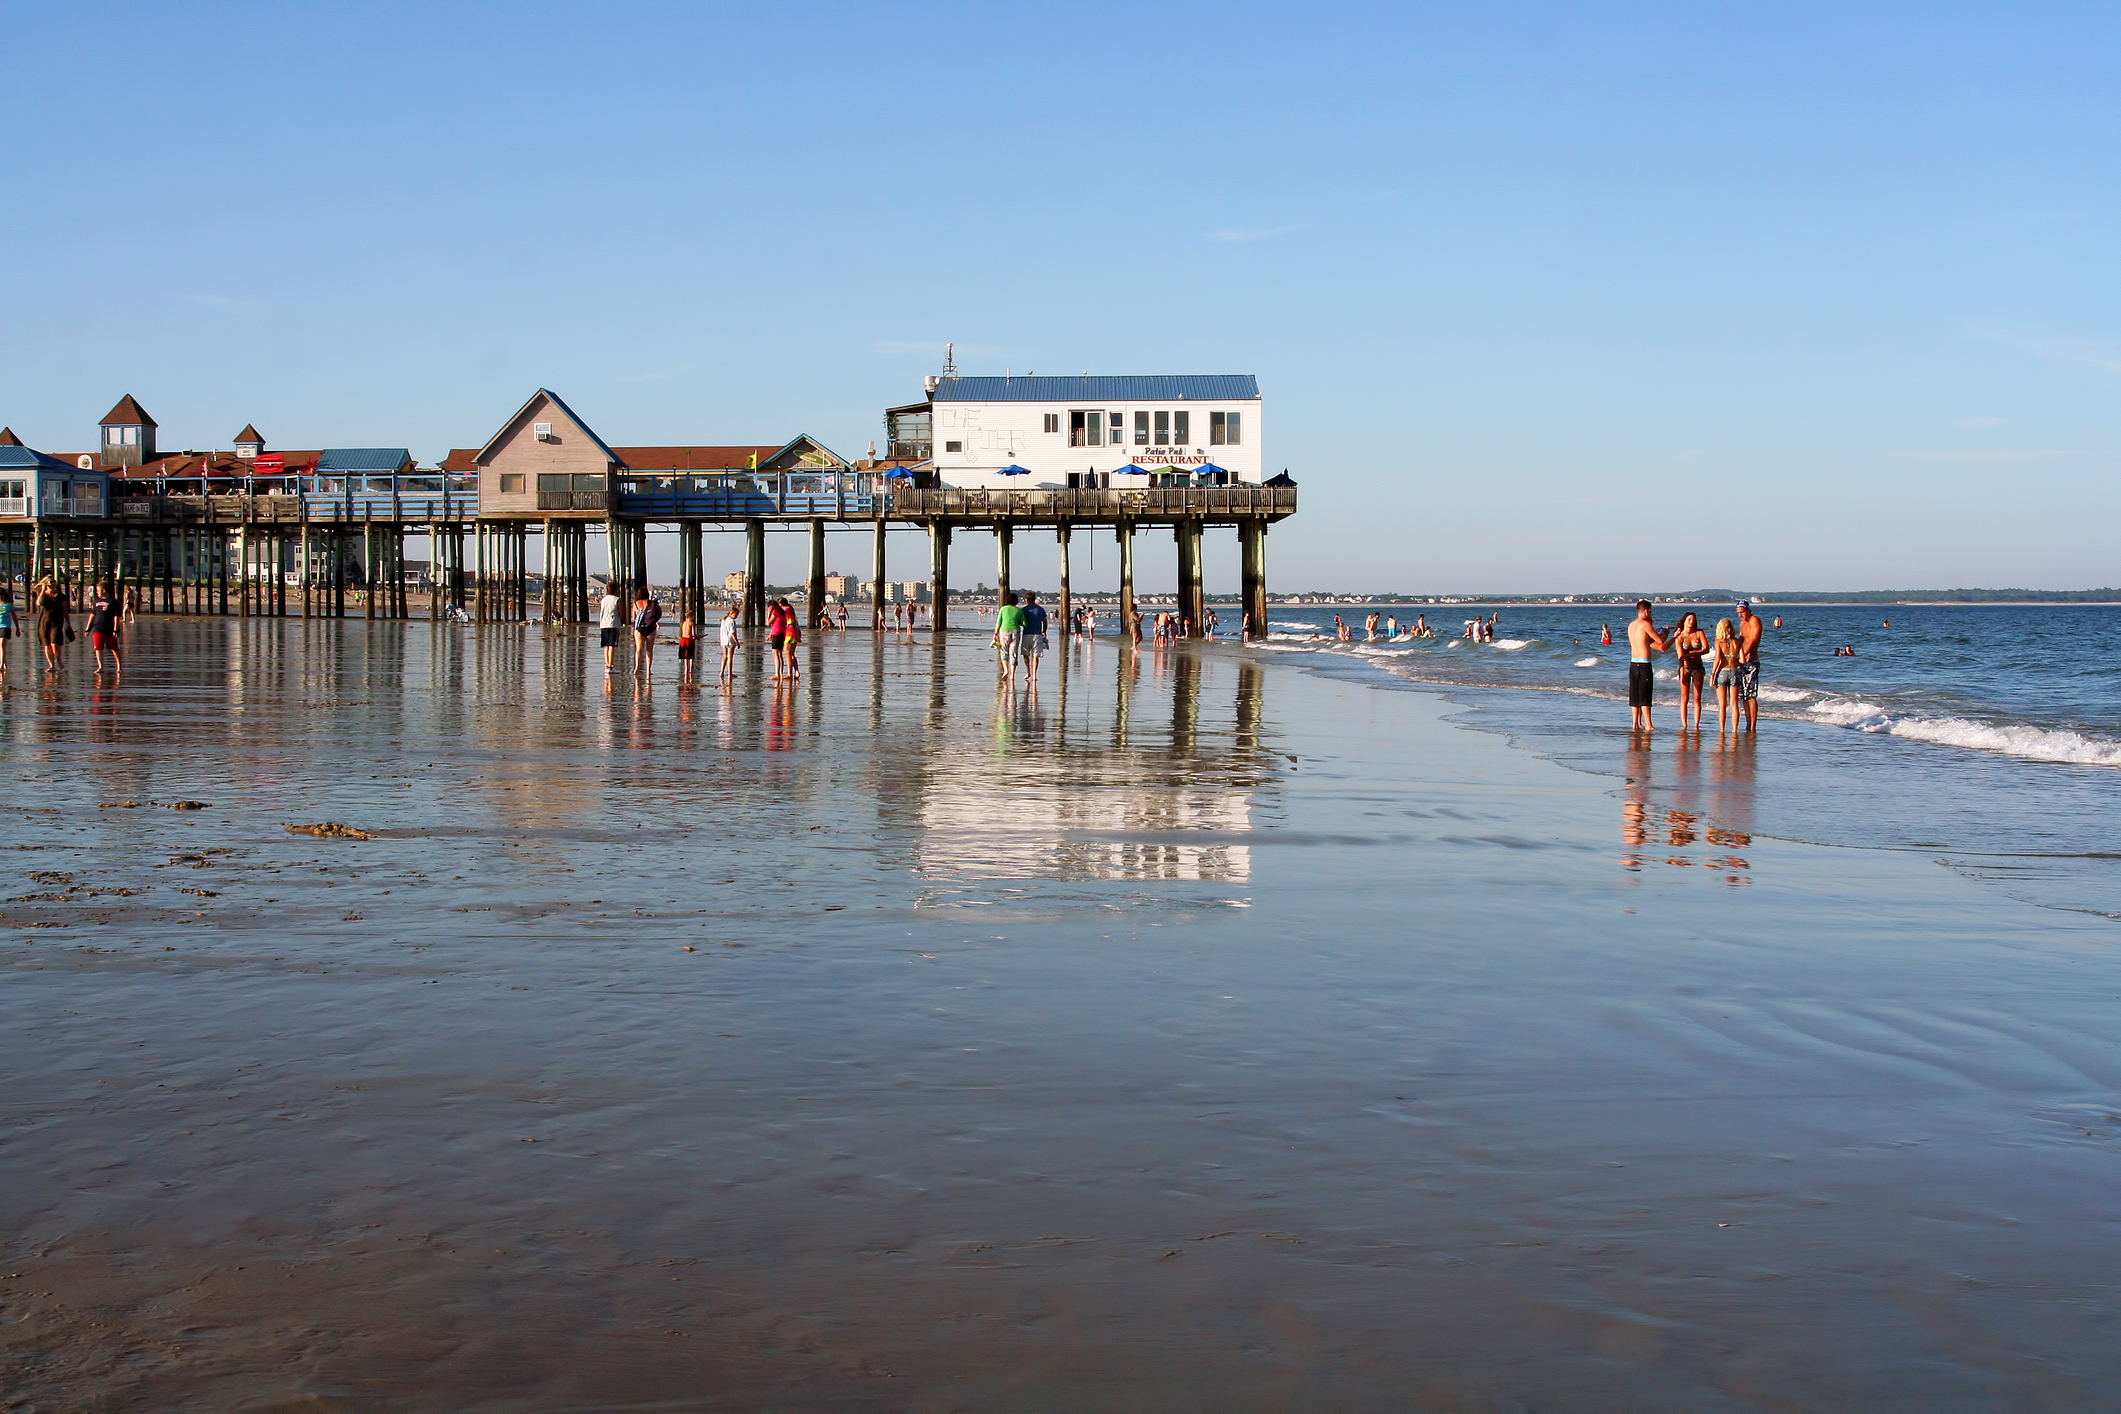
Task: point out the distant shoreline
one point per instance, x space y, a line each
1913 599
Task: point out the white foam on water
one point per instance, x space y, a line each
1588 662
1784 694
1845 712
1511 645
2032 743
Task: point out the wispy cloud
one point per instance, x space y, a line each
2079 353
1265 233
1996 456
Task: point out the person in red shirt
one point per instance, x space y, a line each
104 610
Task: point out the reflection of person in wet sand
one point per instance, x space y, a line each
1643 640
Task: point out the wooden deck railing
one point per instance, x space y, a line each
1148 503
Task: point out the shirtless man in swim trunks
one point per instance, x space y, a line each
1749 627
1643 640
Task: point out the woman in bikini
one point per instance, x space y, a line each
1725 666
1690 643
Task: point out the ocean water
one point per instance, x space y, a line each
1987 734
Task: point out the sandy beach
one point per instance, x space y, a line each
1208 1035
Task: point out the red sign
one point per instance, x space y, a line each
271 461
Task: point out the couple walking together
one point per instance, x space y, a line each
1020 634
1733 658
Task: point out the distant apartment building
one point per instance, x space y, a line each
733 584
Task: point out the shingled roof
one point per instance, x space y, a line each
8 437
692 458
249 434
128 413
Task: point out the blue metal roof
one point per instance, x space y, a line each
1100 388
362 459
25 459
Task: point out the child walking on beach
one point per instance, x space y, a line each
685 647
104 610
732 635
7 622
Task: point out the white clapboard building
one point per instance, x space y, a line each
1088 430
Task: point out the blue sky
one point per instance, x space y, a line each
1540 296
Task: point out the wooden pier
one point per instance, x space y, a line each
316 551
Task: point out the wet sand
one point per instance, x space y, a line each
1209 1036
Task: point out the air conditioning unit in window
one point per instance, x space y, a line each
542 431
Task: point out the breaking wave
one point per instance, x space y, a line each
2032 743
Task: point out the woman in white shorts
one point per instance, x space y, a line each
732 637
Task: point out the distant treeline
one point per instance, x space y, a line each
1726 596
1931 596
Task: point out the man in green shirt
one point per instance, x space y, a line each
1008 633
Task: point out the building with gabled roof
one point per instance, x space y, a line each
36 483
547 459
128 435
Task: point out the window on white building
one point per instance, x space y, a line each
1141 429
953 446
1053 422
1163 429
1181 424
1086 429
1225 429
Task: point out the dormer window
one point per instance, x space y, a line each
121 436
246 449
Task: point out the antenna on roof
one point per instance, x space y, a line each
950 360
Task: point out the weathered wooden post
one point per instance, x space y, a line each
1125 532
1066 608
814 589
876 577
938 575
1004 539
754 575
1192 601
1253 592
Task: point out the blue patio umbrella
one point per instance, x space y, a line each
1014 470
1210 469
1132 469
898 472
